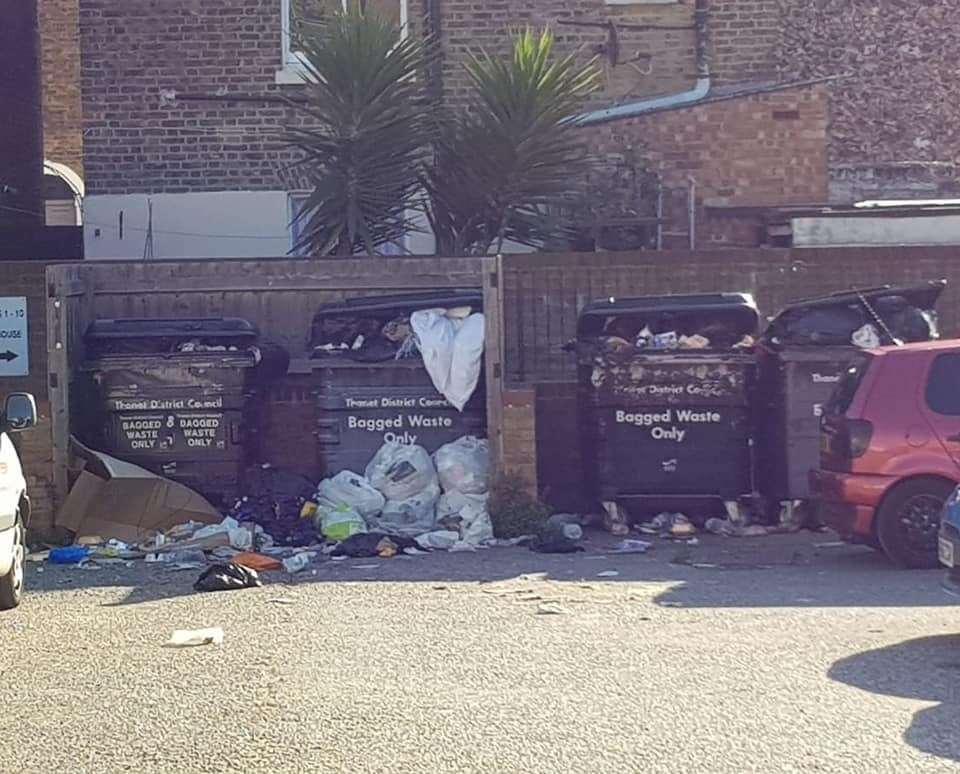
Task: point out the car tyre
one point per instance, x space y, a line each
11 584
908 522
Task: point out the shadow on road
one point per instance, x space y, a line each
924 669
801 570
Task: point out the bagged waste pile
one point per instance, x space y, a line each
407 494
463 467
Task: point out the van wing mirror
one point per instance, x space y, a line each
19 412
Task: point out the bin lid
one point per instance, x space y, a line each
166 327
402 302
870 300
738 310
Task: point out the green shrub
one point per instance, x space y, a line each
513 510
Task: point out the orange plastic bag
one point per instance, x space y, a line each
257 562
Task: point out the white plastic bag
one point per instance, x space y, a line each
352 490
400 471
341 523
452 349
435 334
441 539
410 516
464 465
467 360
474 524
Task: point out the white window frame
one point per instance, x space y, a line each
293 70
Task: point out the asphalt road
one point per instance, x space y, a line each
738 655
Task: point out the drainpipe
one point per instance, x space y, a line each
697 93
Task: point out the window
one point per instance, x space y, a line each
943 385
300 16
298 200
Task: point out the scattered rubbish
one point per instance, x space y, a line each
720 526
258 562
831 544
227 577
88 564
729 529
629 546
559 535
615 519
550 608
275 500
608 574
341 523
69 554
410 551
364 566
441 539
119 499
298 562
386 548
89 540
368 544
191 638
412 515
38 556
670 604
534 576
672 524
461 546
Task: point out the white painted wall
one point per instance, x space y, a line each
876 230
222 224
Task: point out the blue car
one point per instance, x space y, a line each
948 547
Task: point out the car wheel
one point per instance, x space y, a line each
909 521
11 584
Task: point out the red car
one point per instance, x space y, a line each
890 449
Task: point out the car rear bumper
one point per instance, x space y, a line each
848 502
951 578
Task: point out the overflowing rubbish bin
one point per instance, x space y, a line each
665 390
177 397
379 380
801 358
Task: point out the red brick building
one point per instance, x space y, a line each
737 105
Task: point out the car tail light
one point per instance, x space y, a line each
859 432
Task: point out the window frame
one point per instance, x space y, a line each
953 359
292 69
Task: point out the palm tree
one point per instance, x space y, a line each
506 163
365 131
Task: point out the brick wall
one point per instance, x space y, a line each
899 105
133 51
60 67
744 35
520 435
767 149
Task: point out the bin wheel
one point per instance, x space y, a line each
908 522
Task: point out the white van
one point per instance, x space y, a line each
19 413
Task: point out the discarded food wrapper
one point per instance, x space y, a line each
191 638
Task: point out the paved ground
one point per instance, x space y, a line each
740 655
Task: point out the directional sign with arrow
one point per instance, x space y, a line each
14 338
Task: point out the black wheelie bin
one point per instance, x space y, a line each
801 357
665 391
372 387
177 397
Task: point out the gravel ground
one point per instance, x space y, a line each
754 655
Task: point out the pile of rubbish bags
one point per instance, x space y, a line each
440 501
672 332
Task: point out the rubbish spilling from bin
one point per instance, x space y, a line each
665 386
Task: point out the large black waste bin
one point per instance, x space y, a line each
367 395
668 428
177 397
802 356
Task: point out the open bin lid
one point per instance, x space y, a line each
738 311
796 323
341 323
163 335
